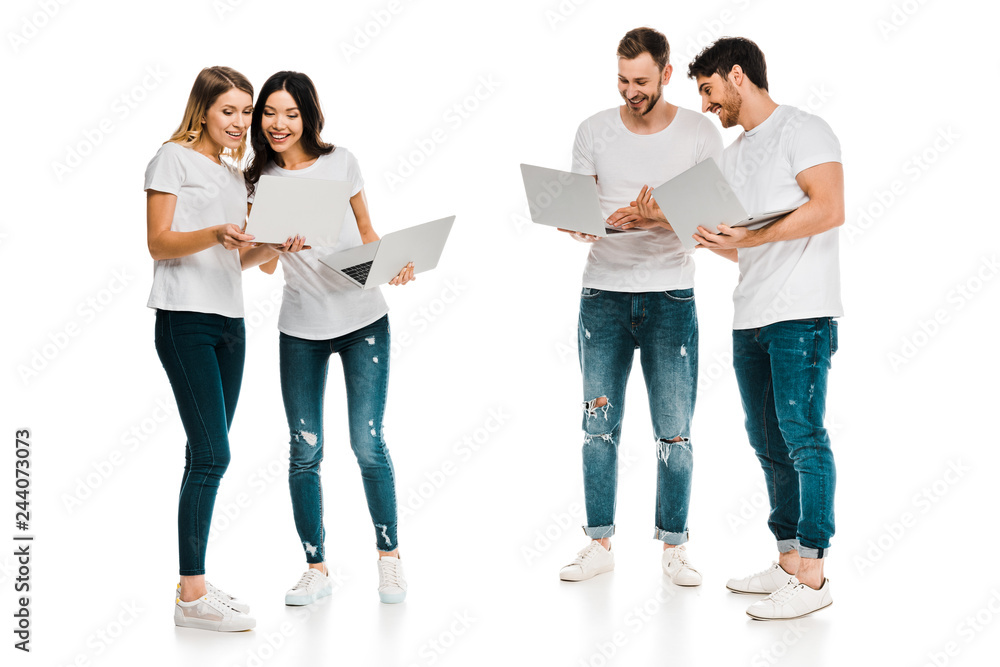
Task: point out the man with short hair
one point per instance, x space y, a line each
784 333
638 293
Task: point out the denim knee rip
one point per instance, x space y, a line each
664 447
310 438
591 407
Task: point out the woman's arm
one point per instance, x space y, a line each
267 253
268 261
269 266
166 244
359 204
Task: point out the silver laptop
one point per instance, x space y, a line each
310 207
565 200
376 263
702 196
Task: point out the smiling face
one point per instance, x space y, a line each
641 82
226 121
281 121
720 96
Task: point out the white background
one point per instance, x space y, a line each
489 340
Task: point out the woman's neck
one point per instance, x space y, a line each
208 148
294 158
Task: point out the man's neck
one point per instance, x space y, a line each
659 117
756 109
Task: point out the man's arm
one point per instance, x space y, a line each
732 254
823 184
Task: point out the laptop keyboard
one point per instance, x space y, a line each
359 271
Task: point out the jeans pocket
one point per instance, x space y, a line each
834 342
235 331
158 325
588 293
680 294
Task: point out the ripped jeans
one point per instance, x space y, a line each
782 371
364 354
663 326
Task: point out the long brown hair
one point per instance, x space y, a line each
302 90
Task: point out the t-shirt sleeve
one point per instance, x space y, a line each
709 143
354 174
812 143
165 172
583 151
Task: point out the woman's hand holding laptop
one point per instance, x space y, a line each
405 275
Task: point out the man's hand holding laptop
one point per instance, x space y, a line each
727 238
644 213
580 236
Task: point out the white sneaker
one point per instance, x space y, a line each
391 583
677 567
764 582
225 597
590 561
312 586
793 600
210 612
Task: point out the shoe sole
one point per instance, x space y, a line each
677 583
788 618
232 602
216 626
391 598
303 600
734 590
600 571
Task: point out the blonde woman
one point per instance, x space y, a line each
195 205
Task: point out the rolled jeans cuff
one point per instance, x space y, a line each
598 532
811 552
784 546
666 537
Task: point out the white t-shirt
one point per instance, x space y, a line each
784 280
644 261
317 302
208 194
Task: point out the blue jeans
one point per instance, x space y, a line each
782 372
202 354
364 354
664 327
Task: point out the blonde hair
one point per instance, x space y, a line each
208 86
